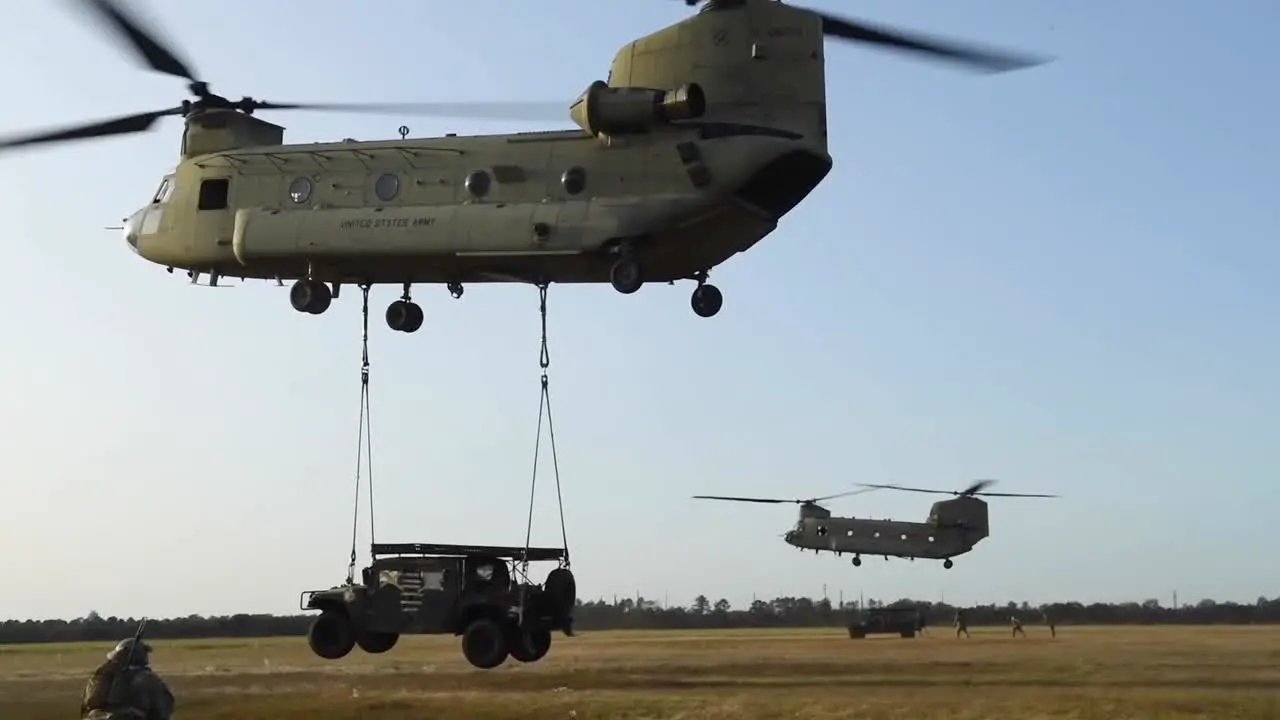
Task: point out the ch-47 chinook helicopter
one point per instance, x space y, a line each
704 136
954 526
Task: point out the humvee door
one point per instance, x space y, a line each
413 595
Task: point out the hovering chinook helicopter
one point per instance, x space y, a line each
954 526
704 136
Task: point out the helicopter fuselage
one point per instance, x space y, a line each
889 538
556 206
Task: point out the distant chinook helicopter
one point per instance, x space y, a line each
954 526
704 136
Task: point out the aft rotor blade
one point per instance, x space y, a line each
977 487
1001 494
157 55
103 128
979 58
771 501
533 110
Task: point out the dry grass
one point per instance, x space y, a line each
1087 673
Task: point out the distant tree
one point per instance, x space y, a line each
701 606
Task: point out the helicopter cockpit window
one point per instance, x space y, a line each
164 191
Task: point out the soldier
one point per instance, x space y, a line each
962 625
125 688
1017 626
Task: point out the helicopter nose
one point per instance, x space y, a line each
131 226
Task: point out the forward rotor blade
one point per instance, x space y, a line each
909 489
157 55
103 128
533 110
977 487
979 58
850 493
771 501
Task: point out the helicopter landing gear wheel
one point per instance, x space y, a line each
626 275
404 316
706 301
310 296
455 289
857 561
947 564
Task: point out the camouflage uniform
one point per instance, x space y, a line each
132 692
1017 626
962 625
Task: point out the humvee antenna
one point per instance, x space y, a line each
544 407
364 441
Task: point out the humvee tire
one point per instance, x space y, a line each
528 645
857 633
376 642
331 635
484 644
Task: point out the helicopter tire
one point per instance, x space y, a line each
626 276
857 562
706 301
947 564
404 316
310 296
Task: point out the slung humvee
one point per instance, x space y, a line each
476 591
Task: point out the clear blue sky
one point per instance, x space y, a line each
1063 278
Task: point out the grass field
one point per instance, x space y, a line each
1086 673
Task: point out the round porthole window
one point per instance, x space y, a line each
300 190
386 187
478 183
574 180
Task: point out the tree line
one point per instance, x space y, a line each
642 613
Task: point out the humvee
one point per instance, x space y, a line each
476 591
899 621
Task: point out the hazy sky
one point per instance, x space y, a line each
1064 278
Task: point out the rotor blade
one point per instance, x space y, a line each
977 487
850 493
771 501
909 489
532 110
103 128
1000 494
987 59
146 44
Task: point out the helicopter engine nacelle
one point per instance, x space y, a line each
605 110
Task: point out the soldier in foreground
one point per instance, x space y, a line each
962 625
125 688
1016 624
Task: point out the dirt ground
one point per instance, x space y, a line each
1085 674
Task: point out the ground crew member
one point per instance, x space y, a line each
1017 626
962 625
125 688
1053 630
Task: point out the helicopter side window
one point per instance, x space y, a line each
822 531
214 193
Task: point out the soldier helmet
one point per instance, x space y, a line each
141 654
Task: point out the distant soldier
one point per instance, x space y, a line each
1016 624
1048 621
125 688
962 624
